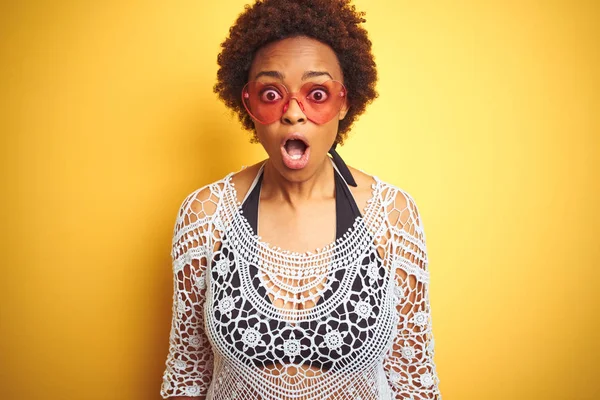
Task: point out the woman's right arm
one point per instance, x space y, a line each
189 363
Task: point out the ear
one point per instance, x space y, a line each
344 110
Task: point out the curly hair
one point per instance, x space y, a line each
333 22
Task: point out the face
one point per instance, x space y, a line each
299 134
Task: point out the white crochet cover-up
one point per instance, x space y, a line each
374 332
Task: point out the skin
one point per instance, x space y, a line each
291 59
297 207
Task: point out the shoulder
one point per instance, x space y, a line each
364 190
243 179
398 205
202 203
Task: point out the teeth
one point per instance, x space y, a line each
296 157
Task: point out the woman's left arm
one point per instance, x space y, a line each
409 364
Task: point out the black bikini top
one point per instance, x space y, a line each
346 209
346 213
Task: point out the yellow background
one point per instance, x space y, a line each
488 116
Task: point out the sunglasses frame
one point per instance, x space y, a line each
292 96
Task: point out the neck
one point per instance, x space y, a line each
319 185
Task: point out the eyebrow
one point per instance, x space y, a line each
313 74
280 76
272 74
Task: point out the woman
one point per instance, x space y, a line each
299 277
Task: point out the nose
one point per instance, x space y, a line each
293 112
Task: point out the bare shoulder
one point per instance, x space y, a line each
364 187
242 179
363 180
400 206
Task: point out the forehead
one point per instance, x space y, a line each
292 57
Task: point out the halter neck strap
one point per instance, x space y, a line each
341 166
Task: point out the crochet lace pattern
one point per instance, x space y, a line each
373 333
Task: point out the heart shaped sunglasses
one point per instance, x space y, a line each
267 102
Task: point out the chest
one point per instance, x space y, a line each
318 310
308 227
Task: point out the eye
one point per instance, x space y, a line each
318 95
270 95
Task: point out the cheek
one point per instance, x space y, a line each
325 135
266 135
332 128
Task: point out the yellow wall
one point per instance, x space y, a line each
488 116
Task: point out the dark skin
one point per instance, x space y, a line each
297 207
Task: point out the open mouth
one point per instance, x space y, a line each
295 151
295 148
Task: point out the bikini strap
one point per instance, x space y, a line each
342 167
255 182
346 207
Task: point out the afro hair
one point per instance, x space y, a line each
336 23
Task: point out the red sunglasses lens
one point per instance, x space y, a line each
266 102
322 101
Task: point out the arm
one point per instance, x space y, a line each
409 364
189 363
